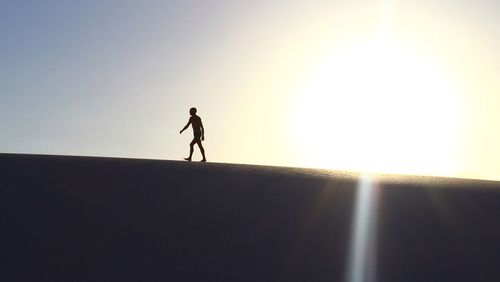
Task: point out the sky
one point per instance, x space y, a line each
382 86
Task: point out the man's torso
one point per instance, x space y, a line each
196 124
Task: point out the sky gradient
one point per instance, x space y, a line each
269 78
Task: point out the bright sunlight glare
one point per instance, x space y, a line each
378 106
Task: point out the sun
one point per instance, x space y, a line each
377 106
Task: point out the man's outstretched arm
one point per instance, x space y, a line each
185 127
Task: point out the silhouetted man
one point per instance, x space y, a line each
198 132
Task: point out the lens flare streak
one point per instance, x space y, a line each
361 267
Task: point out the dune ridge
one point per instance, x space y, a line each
112 219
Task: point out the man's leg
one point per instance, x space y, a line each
191 149
202 150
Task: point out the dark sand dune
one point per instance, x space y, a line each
104 219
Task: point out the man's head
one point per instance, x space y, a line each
192 111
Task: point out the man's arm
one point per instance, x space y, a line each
202 131
185 127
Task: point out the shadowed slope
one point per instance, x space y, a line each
82 218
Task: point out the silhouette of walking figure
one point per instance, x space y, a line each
198 131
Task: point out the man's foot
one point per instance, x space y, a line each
204 160
188 159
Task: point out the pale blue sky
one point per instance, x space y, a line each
97 77
116 78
